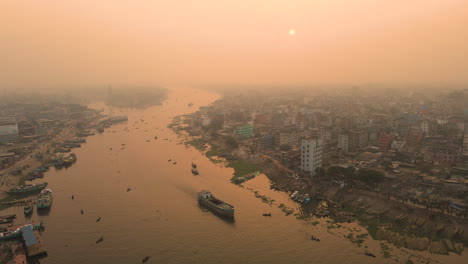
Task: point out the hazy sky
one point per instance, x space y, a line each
174 42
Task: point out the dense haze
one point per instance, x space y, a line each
145 42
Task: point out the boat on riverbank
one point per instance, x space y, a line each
33 176
12 216
15 232
6 221
28 209
58 161
76 140
207 199
195 171
27 188
62 150
67 161
35 226
45 199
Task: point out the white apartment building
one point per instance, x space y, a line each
343 142
311 156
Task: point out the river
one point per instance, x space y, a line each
160 216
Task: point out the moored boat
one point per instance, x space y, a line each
194 171
15 232
33 176
41 169
35 226
10 234
58 161
27 188
45 199
8 216
207 199
6 221
67 161
76 140
28 209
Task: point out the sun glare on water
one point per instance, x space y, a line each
292 32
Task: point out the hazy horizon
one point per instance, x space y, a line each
96 43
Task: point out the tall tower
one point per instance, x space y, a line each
311 156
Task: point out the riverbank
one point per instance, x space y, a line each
386 220
41 153
44 153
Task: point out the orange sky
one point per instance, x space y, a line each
174 42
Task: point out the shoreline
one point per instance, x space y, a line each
344 210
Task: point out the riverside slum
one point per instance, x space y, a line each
398 164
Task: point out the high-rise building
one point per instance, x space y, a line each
245 131
343 142
385 141
311 155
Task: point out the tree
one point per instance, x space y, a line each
320 171
370 177
335 171
231 142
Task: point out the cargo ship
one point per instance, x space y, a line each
208 200
27 188
45 199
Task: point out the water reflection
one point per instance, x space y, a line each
230 220
44 211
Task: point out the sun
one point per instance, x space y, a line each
292 32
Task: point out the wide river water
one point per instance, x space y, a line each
160 216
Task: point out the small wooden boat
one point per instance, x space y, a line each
145 259
129 189
12 216
169 160
174 163
98 219
314 238
370 254
194 165
267 214
82 212
6 221
194 171
100 240
28 209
